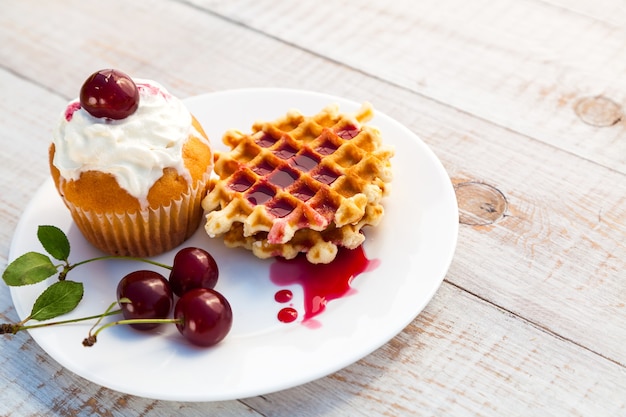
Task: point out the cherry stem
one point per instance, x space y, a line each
91 339
130 258
14 328
106 312
68 267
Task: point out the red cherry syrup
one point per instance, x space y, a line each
287 314
321 283
283 296
71 108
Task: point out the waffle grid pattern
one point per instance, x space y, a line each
300 184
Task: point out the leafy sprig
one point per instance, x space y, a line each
62 296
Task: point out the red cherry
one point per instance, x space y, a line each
193 268
109 93
206 316
150 297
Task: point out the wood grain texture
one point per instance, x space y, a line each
463 357
532 316
522 65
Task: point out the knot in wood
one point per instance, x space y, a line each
598 111
480 204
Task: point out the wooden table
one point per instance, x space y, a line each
521 100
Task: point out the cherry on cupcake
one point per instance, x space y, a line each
109 93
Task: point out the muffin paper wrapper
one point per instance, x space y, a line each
147 232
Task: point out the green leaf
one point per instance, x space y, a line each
54 241
30 268
59 298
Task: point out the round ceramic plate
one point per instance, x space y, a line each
412 248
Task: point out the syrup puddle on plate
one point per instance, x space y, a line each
320 283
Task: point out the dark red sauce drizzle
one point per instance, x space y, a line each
260 194
325 175
283 296
321 283
326 148
154 90
263 168
287 314
71 108
283 178
348 132
241 183
266 141
285 151
280 208
302 192
304 162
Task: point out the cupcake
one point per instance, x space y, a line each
132 165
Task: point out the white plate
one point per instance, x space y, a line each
415 243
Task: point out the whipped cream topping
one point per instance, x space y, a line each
135 150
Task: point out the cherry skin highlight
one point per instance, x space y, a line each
204 316
193 268
110 94
150 296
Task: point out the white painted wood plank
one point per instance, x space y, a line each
561 209
524 65
25 112
461 357
612 12
558 255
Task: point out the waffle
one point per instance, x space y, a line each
300 184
